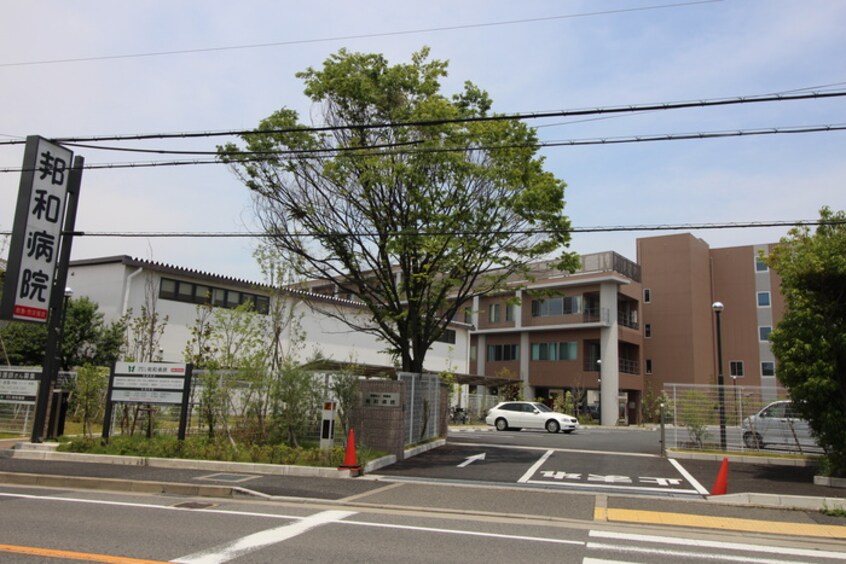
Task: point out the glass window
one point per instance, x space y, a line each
567 351
202 294
761 264
167 290
736 368
763 299
493 313
649 366
768 368
262 304
184 291
509 312
233 299
647 295
219 297
764 332
647 330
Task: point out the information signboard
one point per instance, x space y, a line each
152 383
19 386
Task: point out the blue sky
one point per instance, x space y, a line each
605 53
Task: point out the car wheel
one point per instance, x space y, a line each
552 426
753 440
501 424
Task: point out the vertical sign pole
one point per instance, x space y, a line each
107 415
57 298
186 397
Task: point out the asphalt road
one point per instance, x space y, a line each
40 526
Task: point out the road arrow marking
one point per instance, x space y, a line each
472 459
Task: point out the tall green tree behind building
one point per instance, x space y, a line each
410 201
810 342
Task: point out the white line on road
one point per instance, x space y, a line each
531 471
687 476
567 450
701 543
251 543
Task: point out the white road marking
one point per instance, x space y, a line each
531 471
700 543
687 476
471 459
604 487
465 533
567 450
256 541
675 554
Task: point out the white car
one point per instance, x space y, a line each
529 415
777 425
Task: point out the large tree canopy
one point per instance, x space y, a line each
409 200
810 342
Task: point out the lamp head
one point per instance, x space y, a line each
718 307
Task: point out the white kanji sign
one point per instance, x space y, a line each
37 231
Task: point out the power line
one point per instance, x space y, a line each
386 150
595 229
630 108
351 37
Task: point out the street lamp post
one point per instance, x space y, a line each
718 309
599 387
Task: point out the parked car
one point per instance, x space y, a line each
777 425
529 415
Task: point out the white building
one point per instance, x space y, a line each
119 284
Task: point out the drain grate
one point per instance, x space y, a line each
231 478
195 505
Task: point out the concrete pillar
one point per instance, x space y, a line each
608 352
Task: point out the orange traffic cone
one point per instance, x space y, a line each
721 483
350 457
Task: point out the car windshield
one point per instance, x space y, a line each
541 407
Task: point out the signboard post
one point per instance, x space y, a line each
40 252
154 383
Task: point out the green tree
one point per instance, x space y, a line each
810 342
408 200
87 338
89 397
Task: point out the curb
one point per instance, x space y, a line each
741 458
44 452
114 484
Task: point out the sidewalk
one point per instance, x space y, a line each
755 514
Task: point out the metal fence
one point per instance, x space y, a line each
756 419
424 411
16 418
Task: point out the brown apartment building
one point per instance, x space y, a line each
616 328
560 332
682 278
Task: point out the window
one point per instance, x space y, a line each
509 312
556 306
736 369
503 353
167 290
181 291
647 295
764 332
648 366
763 299
448 336
555 351
493 313
768 368
760 264
647 330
